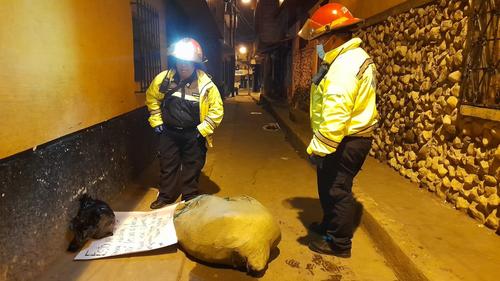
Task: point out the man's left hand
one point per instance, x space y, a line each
316 160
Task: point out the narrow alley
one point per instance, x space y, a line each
246 160
328 140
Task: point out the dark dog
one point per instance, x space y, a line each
95 219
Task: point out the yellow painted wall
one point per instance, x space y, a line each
65 65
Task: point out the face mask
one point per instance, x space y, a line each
321 51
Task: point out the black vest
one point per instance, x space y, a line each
179 108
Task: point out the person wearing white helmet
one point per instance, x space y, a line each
185 108
343 118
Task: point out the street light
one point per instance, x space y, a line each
244 51
246 1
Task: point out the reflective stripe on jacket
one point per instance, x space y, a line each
343 102
211 108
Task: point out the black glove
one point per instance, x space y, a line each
158 129
199 135
316 160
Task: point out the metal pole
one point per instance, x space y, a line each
248 72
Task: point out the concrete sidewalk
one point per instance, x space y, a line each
420 236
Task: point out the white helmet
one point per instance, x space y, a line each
186 49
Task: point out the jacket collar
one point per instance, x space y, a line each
189 80
203 78
349 45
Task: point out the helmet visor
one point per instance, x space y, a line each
312 29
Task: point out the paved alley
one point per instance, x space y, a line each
246 160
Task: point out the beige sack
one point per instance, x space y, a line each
235 231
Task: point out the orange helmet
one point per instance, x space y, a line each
186 49
327 18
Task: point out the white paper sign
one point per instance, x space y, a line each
135 232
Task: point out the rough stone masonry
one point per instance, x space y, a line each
419 57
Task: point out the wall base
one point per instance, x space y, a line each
39 189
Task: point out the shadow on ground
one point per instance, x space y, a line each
207 271
136 190
310 211
207 186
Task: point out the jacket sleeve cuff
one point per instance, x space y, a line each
204 129
309 150
155 120
316 147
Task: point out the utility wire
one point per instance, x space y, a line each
240 14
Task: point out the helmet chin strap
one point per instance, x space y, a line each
320 48
328 46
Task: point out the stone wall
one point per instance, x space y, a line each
419 57
302 74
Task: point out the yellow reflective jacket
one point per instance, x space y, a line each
211 108
343 101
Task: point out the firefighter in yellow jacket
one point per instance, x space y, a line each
343 116
185 108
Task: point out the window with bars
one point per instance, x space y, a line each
481 79
146 33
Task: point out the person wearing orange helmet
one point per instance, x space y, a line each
185 107
343 117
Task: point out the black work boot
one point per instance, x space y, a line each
323 245
317 228
188 197
160 202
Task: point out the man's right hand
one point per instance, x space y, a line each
158 129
